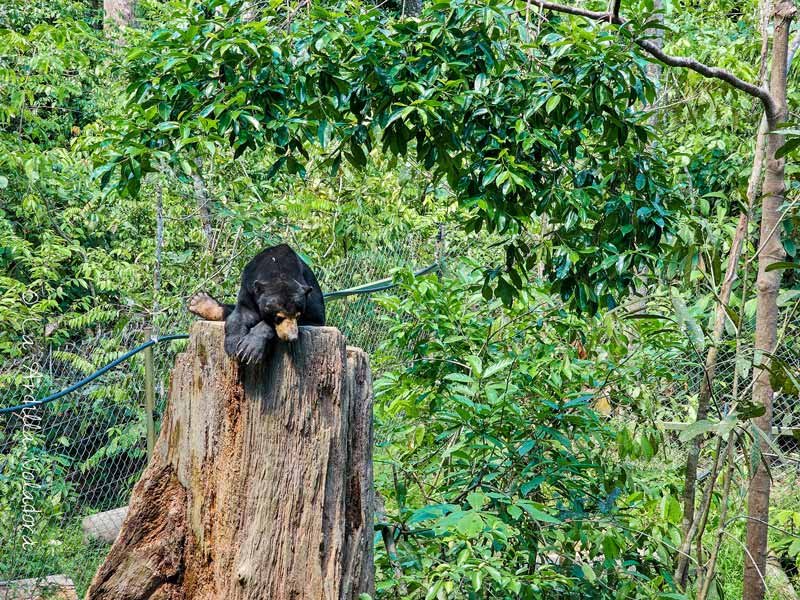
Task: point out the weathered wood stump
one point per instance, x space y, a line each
260 485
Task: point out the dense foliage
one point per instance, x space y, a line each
521 395
504 479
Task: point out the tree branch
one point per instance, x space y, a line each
712 73
571 10
673 61
613 8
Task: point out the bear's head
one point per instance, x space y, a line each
281 303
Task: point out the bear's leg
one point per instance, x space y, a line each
237 326
252 346
206 307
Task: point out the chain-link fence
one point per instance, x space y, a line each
733 375
67 467
732 384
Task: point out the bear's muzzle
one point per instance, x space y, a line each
287 329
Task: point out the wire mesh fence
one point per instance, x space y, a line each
732 383
66 459
67 467
733 373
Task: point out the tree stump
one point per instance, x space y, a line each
260 485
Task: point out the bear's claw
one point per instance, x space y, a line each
250 349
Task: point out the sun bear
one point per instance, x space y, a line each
278 293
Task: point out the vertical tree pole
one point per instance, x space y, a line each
149 394
768 282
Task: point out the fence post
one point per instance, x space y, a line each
440 251
149 397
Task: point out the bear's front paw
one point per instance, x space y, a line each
205 307
232 344
250 349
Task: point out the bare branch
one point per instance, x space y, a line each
571 10
673 61
711 72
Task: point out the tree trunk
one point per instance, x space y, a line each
203 201
654 67
260 486
768 283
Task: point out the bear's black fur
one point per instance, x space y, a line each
277 294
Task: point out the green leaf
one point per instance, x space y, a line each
514 511
748 410
697 428
470 524
477 500
164 111
460 378
432 511
782 265
536 513
475 364
531 485
526 447
552 102
505 291
588 573
477 580
610 548
433 591
497 367
788 147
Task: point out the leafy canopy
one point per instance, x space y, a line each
520 116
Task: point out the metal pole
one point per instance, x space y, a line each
149 395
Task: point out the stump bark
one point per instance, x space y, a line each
260 485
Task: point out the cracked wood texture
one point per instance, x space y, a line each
260 486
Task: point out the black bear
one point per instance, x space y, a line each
278 293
